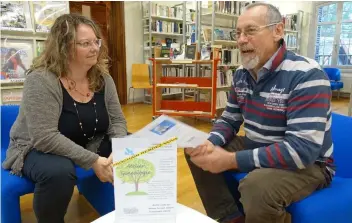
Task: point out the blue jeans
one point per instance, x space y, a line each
54 177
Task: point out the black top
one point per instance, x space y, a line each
69 120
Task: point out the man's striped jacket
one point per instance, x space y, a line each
286 114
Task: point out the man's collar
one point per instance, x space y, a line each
269 63
280 56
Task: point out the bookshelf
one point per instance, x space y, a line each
24 29
217 22
293 30
189 108
166 24
210 26
163 24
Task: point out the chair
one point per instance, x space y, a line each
99 195
140 78
332 204
334 75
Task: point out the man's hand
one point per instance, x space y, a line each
103 169
219 160
205 148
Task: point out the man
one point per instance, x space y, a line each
283 99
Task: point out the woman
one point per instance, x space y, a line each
69 112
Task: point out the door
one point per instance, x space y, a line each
110 18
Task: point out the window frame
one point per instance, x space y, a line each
336 41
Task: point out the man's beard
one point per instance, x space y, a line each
250 63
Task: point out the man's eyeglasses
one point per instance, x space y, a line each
252 30
89 44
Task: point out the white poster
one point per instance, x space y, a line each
145 185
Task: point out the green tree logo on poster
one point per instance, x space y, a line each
135 172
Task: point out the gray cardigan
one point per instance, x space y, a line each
37 123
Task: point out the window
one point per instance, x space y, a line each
333 46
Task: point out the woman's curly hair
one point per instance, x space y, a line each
59 43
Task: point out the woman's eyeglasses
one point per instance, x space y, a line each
89 44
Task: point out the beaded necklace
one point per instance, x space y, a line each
71 82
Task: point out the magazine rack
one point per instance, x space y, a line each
24 28
180 107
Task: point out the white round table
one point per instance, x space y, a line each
184 215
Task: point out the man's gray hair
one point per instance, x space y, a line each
273 14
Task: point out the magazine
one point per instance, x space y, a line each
165 127
11 96
15 16
45 13
16 58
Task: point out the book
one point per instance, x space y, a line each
165 52
16 58
190 52
15 16
206 52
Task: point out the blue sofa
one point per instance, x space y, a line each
332 204
99 195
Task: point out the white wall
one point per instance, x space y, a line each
134 39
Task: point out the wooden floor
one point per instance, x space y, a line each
80 210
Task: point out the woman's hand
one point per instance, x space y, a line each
103 169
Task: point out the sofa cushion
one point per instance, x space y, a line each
332 204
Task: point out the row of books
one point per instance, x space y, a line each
170 91
291 40
160 41
290 22
16 56
229 56
224 78
166 27
178 71
228 7
17 15
219 34
167 11
221 99
190 29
